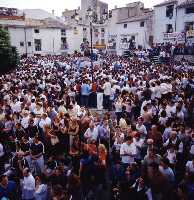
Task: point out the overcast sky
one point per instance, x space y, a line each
60 5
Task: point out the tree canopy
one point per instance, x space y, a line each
9 58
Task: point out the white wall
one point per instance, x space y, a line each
50 39
16 36
182 18
112 28
133 28
74 40
160 22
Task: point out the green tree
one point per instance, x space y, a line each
9 58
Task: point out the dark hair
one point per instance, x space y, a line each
128 138
2 176
166 161
154 165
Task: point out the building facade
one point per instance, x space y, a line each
33 36
128 27
173 19
35 31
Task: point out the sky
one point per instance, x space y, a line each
61 5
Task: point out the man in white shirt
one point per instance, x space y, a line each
91 133
141 127
28 187
25 119
128 151
45 121
107 93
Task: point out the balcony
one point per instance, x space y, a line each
64 47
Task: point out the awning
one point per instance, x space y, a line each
99 46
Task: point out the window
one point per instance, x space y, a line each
141 24
133 37
29 44
21 44
63 43
189 26
37 43
63 40
125 25
189 10
36 31
102 30
63 32
169 28
110 14
102 41
169 11
84 29
124 40
84 40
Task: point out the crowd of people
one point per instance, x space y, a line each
122 129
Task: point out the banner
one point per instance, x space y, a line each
174 37
112 42
124 46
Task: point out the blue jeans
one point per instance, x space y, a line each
106 102
84 100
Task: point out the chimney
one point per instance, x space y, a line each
53 12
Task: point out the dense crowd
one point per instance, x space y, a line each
126 134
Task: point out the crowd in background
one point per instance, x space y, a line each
120 130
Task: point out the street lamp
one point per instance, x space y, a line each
92 18
90 14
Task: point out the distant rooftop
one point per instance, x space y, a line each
38 14
46 23
166 3
186 3
141 17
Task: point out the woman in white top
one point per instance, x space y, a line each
118 109
40 189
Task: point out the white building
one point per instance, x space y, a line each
98 6
33 36
130 25
185 20
79 31
172 20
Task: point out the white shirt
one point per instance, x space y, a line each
62 109
32 107
17 107
91 133
190 166
29 183
25 122
107 88
1 150
128 149
44 122
38 111
141 129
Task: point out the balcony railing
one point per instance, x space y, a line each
64 47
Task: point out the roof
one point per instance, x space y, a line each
38 14
142 17
186 3
46 23
166 3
